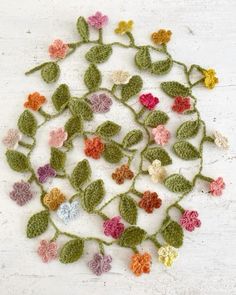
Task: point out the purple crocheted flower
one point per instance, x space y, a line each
21 192
44 172
100 103
113 227
100 264
98 20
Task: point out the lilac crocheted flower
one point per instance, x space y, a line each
100 103
21 193
68 211
44 172
100 264
113 227
98 20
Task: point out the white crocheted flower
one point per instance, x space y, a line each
220 140
157 172
12 138
120 77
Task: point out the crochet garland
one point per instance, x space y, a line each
89 193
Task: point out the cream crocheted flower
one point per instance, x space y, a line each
220 140
157 172
167 255
120 77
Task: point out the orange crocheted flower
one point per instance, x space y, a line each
54 199
94 147
161 37
34 101
122 173
150 201
140 263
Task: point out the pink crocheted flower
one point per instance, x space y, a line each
217 186
113 227
189 220
98 20
148 100
47 250
21 192
12 138
161 134
58 49
57 137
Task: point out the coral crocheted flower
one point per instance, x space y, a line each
113 227
157 172
124 27
161 37
210 79
148 100
189 220
35 101
21 192
57 137
100 103
167 255
12 138
122 173
68 211
44 172
161 134
120 77
181 104
140 263
98 20
58 49
100 264
217 186
220 140
47 250
94 147
150 201
54 199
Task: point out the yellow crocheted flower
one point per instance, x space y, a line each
210 79
167 255
161 37
54 199
124 27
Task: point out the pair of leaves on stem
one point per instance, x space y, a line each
50 71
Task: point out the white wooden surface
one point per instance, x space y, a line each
204 32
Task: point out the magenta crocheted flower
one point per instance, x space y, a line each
217 186
100 264
47 250
98 20
58 49
100 103
57 137
189 220
113 227
148 100
44 172
21 192
161 134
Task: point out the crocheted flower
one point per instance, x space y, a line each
157 172
161 134
124 27
113 227
47 250
210 79
167 255
220 140
189 220
44 172
54 199
217 186
100 264
68 211
98 20
181 104
140 263
58 49
122 173
57 137
100 103
161 37
94 147
12 138
35 101
21 192
148 100
120 77
150 201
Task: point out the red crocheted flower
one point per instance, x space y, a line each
93 147
148 100
150 201
181 104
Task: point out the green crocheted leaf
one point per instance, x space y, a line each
143 58
173 89
128 209
108 129
132 88
93 195
131 138
80 107
177 183
132 236
37 224
74 125
158 153
161 67
83 29
17 161
72 251
61 97
155 118
112 153
187 129
92 77
58 159
50 72
80 174
186 150
27 123
99 53
172 233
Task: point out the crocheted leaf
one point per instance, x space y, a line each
17 161
61 97
27 123
37 224
158 153
112 153
92 77
172 233
155 118
132 236
128 209
58 159
143 58
50 72
108 129
186 150
161 67
83 29
74 125
132 88
187 129
98 54
173 89
93 195
177 183
131 138
80 174
80 107
72 251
